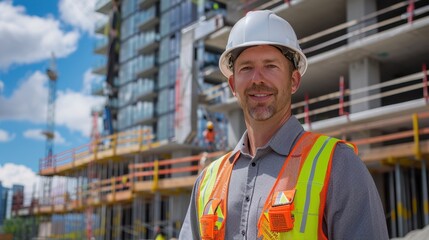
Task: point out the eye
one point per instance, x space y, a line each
271 66
245 68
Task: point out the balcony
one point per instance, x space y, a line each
103 6
98 88
148 19
149 44
100 67
147 66
112 103
145 4
100 26
210 69
101 46
143 120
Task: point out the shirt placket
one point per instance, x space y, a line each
247 199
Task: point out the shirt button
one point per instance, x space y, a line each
253 164
247 198
243 232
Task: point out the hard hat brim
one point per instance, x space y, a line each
224 58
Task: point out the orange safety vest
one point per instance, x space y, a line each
295 206
210 135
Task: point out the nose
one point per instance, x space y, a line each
257 76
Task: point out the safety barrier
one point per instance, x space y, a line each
102 148
159 175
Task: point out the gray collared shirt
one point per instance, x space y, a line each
353 208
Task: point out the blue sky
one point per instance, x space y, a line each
29 32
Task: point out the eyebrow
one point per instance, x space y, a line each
265 61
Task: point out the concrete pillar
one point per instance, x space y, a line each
156 212
356 9
364 73
236 127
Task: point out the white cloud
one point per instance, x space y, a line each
11 173
1 86
28 39
37 134
74 110
29 103
80 14
5 136
90 79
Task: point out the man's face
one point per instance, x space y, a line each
263 82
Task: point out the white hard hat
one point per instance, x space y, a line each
262 27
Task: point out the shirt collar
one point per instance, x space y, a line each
282 141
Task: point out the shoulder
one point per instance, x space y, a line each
345 160
350 177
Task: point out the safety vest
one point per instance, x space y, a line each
210 135
295 206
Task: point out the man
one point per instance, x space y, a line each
209 136
159 233
279 182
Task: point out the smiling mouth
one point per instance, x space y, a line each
260 96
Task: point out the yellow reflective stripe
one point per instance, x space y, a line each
309 185
208 209
207 184
220 218
320 171
312 180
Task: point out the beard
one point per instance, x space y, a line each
263 110
261 113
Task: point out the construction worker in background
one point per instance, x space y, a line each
159 233
209 136
280 182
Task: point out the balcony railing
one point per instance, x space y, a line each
103 6
101 46
403 146
100 67
135 140
100 25
384 19
148 19
158 175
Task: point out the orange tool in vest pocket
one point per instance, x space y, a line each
208 226
210 220
280 213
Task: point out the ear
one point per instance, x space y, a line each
295 81
231 84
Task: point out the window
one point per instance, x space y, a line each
164 50
128 7
174 45
129 49
165 127
165 23
126 94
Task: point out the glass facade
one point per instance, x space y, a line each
147 74
3 202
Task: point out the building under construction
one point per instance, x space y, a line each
366 83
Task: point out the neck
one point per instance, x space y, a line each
260 132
